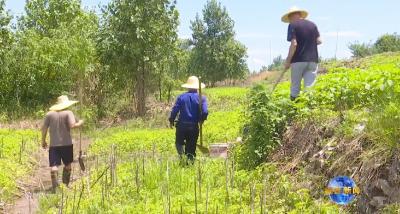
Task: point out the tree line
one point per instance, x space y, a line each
385 43
130 50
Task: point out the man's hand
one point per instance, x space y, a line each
78 124
171 123
44 144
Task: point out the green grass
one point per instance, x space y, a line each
148 184
162 185
222 99
223 125
219 128
346 92
16 160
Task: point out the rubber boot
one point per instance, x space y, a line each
66 176
54 180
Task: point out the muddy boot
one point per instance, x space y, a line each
54 180
66 176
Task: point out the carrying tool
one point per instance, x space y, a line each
202 148
278 80
80 158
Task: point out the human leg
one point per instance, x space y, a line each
67 157
310 75
54 162
191 141
179 141
296 77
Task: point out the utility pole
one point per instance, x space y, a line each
337 41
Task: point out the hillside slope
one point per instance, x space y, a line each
348 124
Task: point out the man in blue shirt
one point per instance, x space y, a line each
187 127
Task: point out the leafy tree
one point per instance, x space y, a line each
5 33
216 55
277 63
385 43
361 49
47 60
6 39
135 40
388 43
45 15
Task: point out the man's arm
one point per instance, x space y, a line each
204 108
44 134
292 50
77 124
174 112
45 126
72 121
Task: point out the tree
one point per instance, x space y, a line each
388 43
45 15
385 43
6 40
361 49
50 54
216 55
5 33
277 63
136 38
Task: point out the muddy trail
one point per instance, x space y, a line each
39 182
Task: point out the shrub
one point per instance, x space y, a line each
265 122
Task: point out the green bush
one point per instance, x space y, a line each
265 122
383 126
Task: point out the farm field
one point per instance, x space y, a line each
137 168
140 171
124 79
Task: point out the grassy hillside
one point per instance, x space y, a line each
346 125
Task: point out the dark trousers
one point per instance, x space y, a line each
186 139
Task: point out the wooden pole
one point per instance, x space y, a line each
201 113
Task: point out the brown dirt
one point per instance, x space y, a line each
323 155
39 182
22 124
266 75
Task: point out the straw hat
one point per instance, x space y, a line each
285 18
62 103
193 83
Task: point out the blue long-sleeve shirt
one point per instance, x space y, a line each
187 105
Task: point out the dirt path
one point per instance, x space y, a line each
40 182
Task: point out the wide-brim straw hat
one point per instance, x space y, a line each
285 17
193 83
63 102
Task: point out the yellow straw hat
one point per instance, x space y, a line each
285 18
62 103
193 83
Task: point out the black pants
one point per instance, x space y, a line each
186 139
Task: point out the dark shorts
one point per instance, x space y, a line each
58 153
